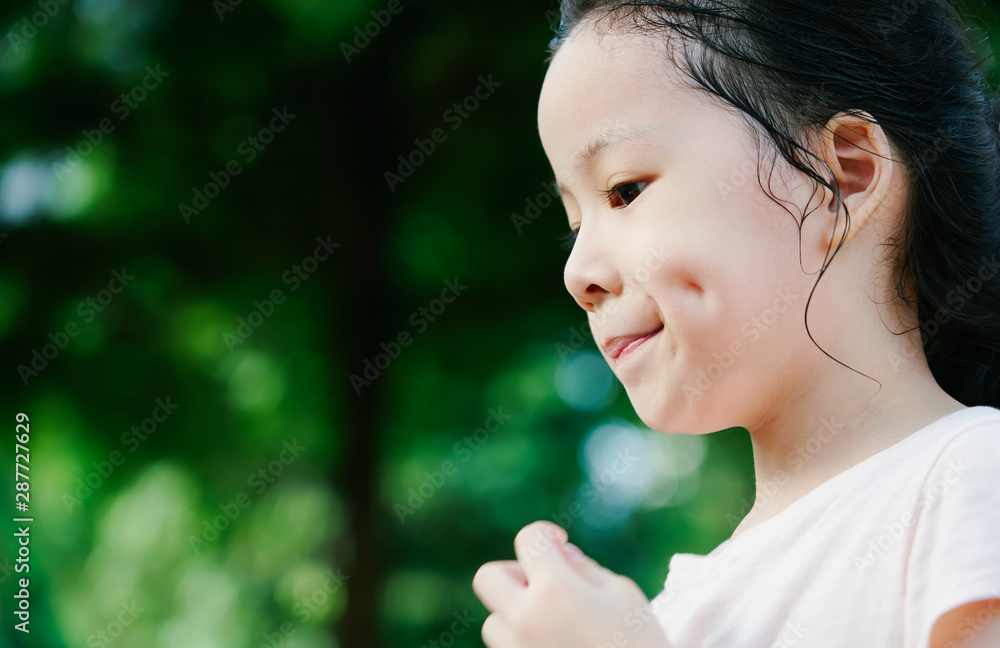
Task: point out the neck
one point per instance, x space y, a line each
836 426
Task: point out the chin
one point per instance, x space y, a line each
671 412
664 412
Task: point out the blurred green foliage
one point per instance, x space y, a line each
282 502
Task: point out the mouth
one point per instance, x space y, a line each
620 348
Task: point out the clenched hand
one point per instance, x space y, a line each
555 596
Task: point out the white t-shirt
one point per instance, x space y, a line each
872 557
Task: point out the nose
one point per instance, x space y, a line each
590 274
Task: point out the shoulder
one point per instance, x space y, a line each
970 443
957 505
953 570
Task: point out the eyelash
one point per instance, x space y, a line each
610 193
568 240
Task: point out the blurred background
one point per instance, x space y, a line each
282 299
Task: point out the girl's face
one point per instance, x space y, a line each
686 246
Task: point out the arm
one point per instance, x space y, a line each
974 625
953 570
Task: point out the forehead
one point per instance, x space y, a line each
602 80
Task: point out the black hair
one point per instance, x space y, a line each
794 64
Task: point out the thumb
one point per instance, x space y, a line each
538 547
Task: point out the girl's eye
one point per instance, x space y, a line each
621 195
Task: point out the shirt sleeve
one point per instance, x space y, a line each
955 556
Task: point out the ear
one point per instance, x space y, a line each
861 166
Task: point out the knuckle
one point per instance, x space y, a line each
477 579
490 629
522 626
526 531
542 532
482 574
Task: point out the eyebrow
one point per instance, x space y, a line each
614 137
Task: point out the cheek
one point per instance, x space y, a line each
732 285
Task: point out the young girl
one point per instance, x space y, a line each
786 217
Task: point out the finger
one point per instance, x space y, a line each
498 583
539 550
496 633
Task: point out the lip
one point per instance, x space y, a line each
621 347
